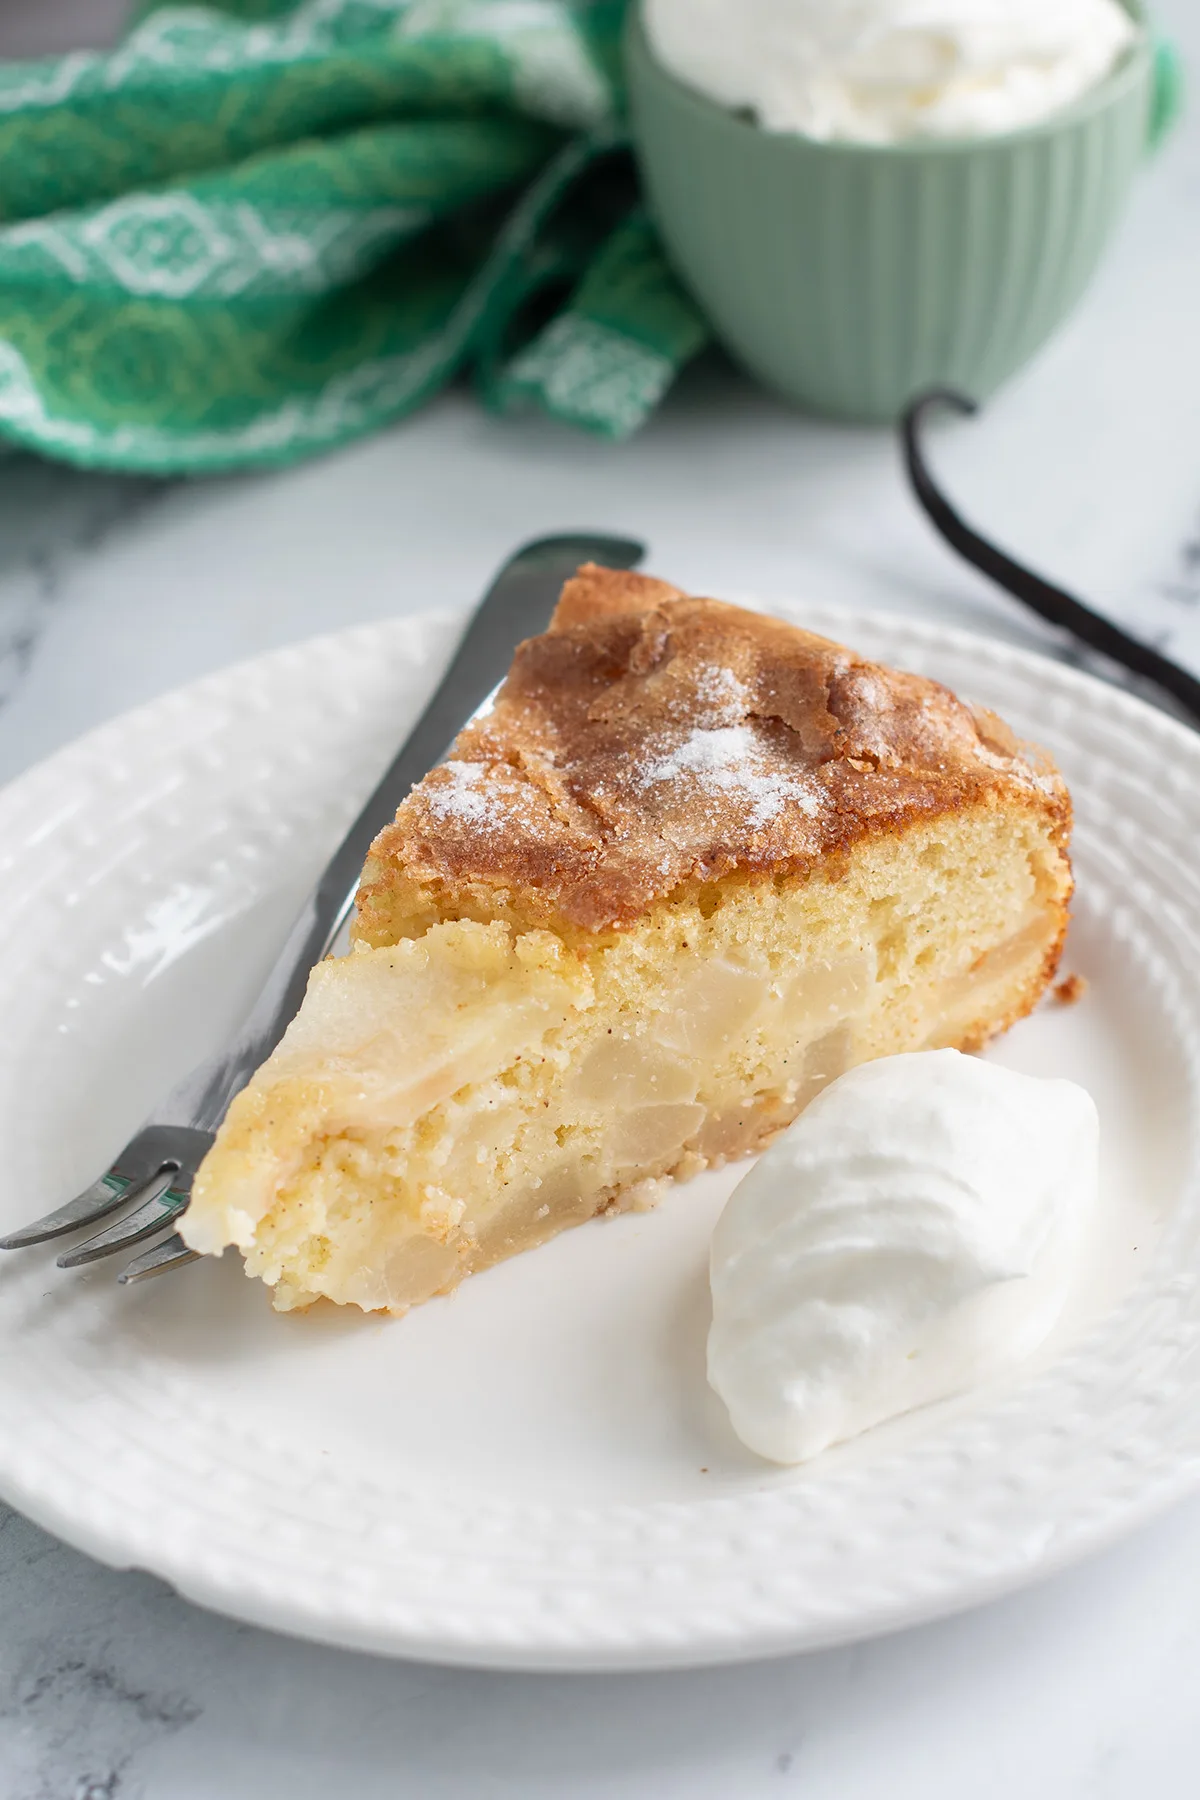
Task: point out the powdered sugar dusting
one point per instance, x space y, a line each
464 800
874 708
1019 769
720 695
730 760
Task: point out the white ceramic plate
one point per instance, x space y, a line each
533 1473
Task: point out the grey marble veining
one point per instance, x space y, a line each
1181 588
112 1688
50 518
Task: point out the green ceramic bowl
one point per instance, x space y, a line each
848 277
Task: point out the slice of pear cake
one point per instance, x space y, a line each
693 865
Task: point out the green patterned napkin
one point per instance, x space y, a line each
260 228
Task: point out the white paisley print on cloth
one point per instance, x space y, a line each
364 397
587 372
177 246
183 40
553 75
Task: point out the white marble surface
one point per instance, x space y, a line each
110 592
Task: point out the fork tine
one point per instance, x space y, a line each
95 1202
172 1253
158 1209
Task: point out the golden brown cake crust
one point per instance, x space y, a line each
649 740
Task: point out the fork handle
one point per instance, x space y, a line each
516 606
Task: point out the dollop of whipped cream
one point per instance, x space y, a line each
913 1234
881 71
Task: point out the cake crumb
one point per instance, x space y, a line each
1068 992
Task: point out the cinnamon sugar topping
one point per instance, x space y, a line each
649 739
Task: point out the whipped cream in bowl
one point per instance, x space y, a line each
870 198
884 71
912 1235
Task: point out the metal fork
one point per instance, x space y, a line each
155 1170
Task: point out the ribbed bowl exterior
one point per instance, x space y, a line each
849 277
